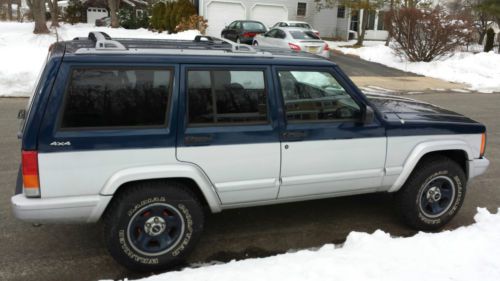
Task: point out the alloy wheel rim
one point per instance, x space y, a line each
436 198
155 229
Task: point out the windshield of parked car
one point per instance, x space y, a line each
253 26
300 24
303 35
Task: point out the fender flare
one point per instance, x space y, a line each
179 170
424 148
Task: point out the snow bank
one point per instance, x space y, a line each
480 71
22 53
467 253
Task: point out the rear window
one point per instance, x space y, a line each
103 98
303 35
253 26
301 25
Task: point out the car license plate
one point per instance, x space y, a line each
312 49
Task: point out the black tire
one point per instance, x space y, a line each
433 193
255 43
152 226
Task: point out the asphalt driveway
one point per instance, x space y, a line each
375 76
355 66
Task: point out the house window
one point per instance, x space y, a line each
139 13
341 12
301 9
381 20
371 20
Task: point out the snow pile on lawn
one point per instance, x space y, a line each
480 71
23 53
467 253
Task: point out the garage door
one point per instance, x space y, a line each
220 14
269 14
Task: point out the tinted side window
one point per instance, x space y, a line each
316 96
272 33
225 97
117 98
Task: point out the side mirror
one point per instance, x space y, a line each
368 115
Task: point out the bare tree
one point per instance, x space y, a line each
37 8
425 34
54 13
18 10
9 9
113 11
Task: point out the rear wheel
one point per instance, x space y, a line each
153 225
255 43
433 194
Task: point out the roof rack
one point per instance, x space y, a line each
235 47
104 42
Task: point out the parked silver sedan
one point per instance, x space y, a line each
297 39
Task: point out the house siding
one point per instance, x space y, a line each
325 22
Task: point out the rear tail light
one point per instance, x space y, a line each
327 48
249 34
483 145
31 182
294 47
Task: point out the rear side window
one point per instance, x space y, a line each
103 98
303 35
226 97
253 26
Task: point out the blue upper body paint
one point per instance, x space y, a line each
42 122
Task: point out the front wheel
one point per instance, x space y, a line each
255 43
433 193
153 225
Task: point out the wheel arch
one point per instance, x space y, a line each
189 175
458 151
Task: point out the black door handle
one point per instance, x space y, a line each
294 135
198 139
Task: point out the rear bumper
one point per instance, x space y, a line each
60 210
477 167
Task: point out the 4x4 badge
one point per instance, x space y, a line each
60 143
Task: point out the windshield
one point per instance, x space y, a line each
300 24
303 35
253 26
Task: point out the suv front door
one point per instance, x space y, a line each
228 127
325 147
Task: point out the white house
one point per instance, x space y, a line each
337 22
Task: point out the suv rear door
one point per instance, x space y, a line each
228 126
325 147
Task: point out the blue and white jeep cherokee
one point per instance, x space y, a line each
148 135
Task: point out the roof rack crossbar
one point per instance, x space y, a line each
103 42
235 47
